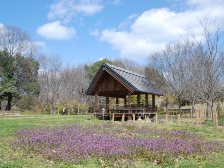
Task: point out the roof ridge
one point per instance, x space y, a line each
127 71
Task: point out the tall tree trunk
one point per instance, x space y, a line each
52 109
218 109
9 102
192 109
212 113
192 104
207 110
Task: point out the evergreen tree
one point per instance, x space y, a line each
18 77
93 68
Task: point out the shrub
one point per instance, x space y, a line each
72 107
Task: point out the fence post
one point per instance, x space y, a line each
166 118
112 117
216 119
196 118
156 119
178 119
133 116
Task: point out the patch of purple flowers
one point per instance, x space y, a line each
76 143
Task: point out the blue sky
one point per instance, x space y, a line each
83 31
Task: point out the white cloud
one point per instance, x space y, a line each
1 25
66 9
155 28
56 31
39 44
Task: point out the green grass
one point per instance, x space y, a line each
9 125
13 159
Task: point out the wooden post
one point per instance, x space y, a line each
117 101
157 119
146 99
129 98
112 119
153 102
123 117
133 116
138 99
125 101
179 119
96 101
129 102
107 103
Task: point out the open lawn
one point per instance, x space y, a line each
59 141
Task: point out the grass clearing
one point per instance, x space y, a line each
19 158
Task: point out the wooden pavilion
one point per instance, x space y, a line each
115 83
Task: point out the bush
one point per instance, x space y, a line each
72 107
31 104
26 103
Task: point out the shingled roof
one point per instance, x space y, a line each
136 82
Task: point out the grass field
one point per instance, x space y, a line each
22 158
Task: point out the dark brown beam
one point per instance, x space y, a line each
117 101
146 99
125 100
129 98
153 101
107 102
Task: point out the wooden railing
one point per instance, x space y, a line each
106 108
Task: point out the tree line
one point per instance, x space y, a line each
31 80
190 71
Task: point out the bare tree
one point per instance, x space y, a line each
49 78
129 65
74 82
172 69
13 40
210 64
